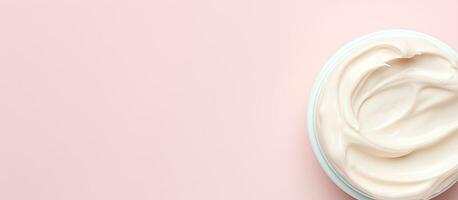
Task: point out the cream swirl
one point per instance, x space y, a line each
387 118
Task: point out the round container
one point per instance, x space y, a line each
332 62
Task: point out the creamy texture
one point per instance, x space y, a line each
387 118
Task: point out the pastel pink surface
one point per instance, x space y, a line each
174 100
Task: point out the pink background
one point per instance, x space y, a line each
175 99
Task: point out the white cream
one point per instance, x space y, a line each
387 118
